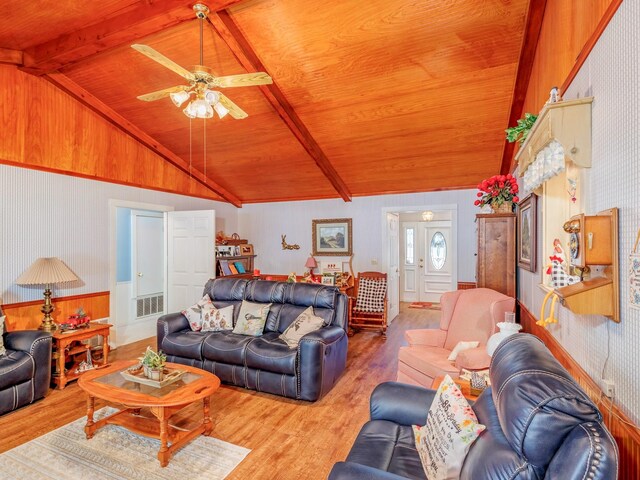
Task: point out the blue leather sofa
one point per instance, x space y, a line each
540 425
265 363
25 370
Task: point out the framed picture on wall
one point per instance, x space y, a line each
527 232
331 236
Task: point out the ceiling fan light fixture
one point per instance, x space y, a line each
221 110
178 98
211 96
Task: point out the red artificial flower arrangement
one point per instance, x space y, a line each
497 190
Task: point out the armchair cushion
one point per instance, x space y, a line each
371 294
474 359
427 337
430 361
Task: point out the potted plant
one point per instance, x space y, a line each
521 130
153 364
500 192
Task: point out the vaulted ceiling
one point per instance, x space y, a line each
369 97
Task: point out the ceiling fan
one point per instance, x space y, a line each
201 82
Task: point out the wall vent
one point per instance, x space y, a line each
149 305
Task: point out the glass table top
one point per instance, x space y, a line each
116 379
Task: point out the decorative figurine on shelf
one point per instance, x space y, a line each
573 188
554 96
560 276
291 278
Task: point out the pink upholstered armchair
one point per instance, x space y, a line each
467 315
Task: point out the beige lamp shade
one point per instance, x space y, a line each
47 271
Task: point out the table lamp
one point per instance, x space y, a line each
48 272
311 264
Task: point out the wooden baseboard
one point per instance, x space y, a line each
466 285
27 315
621 427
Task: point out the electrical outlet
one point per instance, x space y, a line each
609 388
374 261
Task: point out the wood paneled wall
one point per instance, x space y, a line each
622 429
27 315
567 28
46 129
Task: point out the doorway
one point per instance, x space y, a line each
427 250
137 269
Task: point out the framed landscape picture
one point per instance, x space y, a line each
331 236
527 232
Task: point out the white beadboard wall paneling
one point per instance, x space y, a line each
50 215
263 224
611 75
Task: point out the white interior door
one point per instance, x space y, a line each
437 260
191 256
393 272
147 254
409 262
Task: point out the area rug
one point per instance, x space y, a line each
425 305
114 453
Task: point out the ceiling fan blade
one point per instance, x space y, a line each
164 61
234 110
150 97
242 80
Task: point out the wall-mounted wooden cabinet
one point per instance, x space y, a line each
497 252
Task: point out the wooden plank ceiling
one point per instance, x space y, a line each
369 98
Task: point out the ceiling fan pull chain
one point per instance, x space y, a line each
201 43
190 148
204 155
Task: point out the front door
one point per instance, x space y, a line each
437 260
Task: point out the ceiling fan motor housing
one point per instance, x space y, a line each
201 10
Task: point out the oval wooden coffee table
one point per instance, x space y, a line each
108 384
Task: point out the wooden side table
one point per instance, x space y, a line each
464 385
62 342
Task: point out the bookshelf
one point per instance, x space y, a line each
245 260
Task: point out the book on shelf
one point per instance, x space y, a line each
224 266
240 267
233 269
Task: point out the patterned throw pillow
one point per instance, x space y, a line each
3 350
252 318
371 293
194 313
305 323
451 428
217 320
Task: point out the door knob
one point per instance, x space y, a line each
140 274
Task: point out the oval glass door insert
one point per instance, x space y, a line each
438 250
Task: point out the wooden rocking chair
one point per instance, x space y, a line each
368 303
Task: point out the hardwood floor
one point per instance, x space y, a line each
288 439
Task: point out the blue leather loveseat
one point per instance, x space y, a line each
266 363
540 425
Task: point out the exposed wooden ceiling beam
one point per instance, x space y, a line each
106 33
533 25
13 57
244 53
127 127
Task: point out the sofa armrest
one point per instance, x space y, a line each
351 471
401 403
37 344
474 358
322 357
430 337
325 335
172 322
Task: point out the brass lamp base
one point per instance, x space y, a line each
48 325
